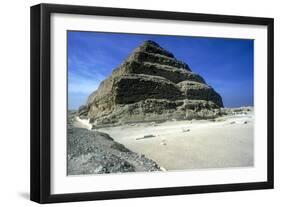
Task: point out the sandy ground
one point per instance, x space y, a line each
178 145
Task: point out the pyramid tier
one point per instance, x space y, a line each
136 87
171 73
129 89
153 47
158 110
197 91
142 56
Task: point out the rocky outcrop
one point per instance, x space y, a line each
93 152
151 85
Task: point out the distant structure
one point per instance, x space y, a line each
151 85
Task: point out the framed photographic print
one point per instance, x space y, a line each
133 103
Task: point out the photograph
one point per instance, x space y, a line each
133 103
148 102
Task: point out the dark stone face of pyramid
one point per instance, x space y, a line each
151 85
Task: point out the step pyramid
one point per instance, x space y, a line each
151 85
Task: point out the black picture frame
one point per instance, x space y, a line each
41 96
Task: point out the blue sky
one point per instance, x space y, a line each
225 64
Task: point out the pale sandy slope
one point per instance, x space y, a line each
179 145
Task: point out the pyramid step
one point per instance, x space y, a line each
136 87
171 73
141 56
198 91
153 47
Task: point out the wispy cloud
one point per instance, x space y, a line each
82 84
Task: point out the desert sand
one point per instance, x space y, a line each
197 144
226 141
